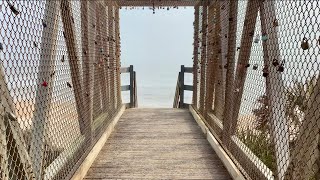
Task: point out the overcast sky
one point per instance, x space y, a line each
157 45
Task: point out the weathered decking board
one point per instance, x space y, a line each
157 144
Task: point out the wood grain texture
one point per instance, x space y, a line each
157 144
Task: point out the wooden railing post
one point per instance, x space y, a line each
181 105
131 86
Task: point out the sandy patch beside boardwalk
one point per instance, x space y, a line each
62 126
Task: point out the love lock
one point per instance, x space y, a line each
304 44
69 85
264 37
255 67
265 72
44 83
1 47
275 23
281 68
62 59
275 62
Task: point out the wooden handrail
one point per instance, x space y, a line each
132 87
178 101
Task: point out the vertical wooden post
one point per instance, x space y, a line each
275 90
111 54
87 69
118 89
100 56
44 94
222 44
181 105
203 55
135 90
227 113
212 53
195 55
131 86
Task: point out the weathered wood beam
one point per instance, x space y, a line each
204 31
44 94
195 55
275 89
229 93
70 34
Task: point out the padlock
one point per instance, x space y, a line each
281 68
62 59
255 67
1 47
304 44
275 62
69 85
248 65
44 24
264 37
275 23
44 83
265 72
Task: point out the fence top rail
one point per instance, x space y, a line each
125 69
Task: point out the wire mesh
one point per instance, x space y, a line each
60 84
264 85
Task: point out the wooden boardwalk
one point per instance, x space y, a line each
157 144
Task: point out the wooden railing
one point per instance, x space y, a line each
178 101
132 87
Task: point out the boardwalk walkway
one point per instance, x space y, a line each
157 144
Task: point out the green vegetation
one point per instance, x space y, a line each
258 138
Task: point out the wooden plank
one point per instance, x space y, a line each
224 157
188 69
125 69
195 55
125 88
157 143
71 44
84 167
44 94
188 87
229 91
203 55
244 56
87 67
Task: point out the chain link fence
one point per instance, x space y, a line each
256 84
59 84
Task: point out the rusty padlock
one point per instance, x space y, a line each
304 44
275 62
